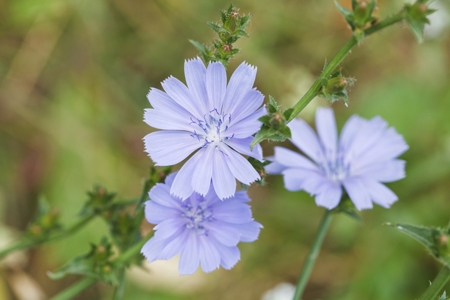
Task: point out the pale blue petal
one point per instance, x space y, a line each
296 179
181 94
190 257
248 126
330 196
243 146
216 84
156 213
161 101
169 147
153 248
274 167
249 104
327 131
209 256
182 184
350 132
292 159
229 256
379 193
176 246
240 167
249 231
223 180
169 227
170 178
241 196
387 171
201 181
223 232
160 194
306 139
195 73
165 119
357 193
236 213
240 83
389 146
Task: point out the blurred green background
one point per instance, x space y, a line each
73 82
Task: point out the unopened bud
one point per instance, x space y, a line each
277 120
227 48
336 85
106 269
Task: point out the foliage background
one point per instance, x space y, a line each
74 76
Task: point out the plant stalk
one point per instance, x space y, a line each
337 59
312 255
437 285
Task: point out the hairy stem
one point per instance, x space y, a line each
312 255
437 285
337 59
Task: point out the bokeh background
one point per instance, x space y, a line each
73 82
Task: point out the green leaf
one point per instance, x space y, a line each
424 235
94 264
217 28
267 133
287 114
417 28
265 120
348 15
285 131
273 106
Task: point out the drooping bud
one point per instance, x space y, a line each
277 120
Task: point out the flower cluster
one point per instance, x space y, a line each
198 211
363 157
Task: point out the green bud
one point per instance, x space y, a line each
277 120
35 230
336 85
443 245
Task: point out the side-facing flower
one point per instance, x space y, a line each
363 157
212 117
204 229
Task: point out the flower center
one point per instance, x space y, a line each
197 215
336 169
213 127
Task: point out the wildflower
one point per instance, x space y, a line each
364 156
212 117
204 229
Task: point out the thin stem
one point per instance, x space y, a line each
337 59
312 255
75 289
131 252
120 288
28 243
437 285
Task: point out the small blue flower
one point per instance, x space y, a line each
204 229
212 117
363 157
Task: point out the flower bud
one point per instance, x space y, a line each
443 244
277 120
336 85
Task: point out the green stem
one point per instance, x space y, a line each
28 243
312 255
120 289
75 289
337 59
131 252
438 284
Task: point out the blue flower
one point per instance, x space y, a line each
204 229
363 157
212 117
